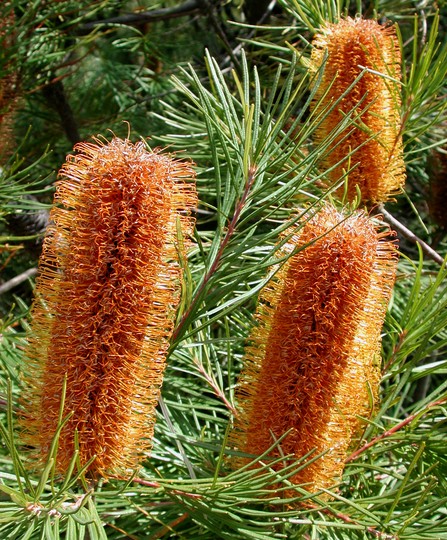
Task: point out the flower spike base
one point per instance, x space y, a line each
104 305
313 363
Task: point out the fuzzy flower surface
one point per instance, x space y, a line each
360 62
312 365
9 82
105 301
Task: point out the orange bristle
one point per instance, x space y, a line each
105 302
344 50
313 361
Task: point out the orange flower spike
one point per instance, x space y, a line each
313 362
105 300
346 49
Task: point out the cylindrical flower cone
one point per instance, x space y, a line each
105 302
371 148
313 361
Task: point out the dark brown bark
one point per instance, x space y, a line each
54 93
139 19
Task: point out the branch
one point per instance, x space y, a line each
218 391
15 281
209 9
54 93
231 229
156 485
347 519
138 19
394 429
169 527
427 250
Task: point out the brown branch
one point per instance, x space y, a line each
139 19
54 93
400 228
231 229
122 531
169 527
372 530
394 429
209 9
156 485
348 519
17 280
396 349
218 391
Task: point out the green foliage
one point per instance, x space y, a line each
424 78
249 131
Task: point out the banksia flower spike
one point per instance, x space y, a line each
313 362
106 293
9 82
346 49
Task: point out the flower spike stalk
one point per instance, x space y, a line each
371 148
312 365
104 306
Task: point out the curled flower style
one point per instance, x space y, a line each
105 302
312 366
361 70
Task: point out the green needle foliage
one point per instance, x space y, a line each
197 79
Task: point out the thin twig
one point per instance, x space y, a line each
139 19
15 281
347 519
396 349
54 93
218 258
396 224
394 429
250 35
156 485
169 527
209 9
122 531
217 390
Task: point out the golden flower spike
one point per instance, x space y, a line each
313 361
347 49
104 305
